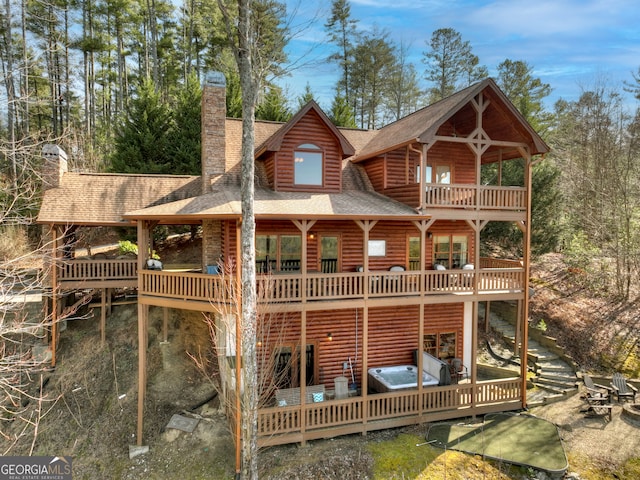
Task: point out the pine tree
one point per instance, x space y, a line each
306 97
141 139
450 64
273 106
184 141
341 112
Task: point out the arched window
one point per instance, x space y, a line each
307 165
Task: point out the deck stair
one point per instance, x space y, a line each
555 374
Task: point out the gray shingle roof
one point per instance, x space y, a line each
226 202
102 198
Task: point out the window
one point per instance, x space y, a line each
451 251
278 253
413 248
442 174
266 253
329 253
307 165
377 248
441 345
290 252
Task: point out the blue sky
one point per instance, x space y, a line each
571 44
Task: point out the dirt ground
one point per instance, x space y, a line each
91 409
94 417
605 443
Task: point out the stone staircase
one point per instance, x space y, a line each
555 373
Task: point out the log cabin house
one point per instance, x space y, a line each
367 253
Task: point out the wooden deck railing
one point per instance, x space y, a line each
293 287
98 270
464 196
483 197
486 262
280 425
186 285
493 276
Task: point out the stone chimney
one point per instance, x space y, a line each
55 165
214 112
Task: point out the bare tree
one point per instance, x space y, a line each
25 325
271 331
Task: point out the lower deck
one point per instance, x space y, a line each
365 413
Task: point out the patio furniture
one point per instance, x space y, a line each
597 410
598 398
458 370
596 393
622 389
291 396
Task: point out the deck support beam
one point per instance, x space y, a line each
143 314
55 308
103 315
526 255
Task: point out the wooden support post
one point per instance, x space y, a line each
419 359
165 325
238 430
54 295
474 351
517 344
143 314
364 382
303 371
487 309
525 300
103 315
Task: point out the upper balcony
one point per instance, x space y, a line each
461 196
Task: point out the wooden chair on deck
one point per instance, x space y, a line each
458 370
622 389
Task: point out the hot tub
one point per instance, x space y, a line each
397 378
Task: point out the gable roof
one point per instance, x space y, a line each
102 198
422 125
274 143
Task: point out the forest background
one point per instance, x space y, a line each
117 85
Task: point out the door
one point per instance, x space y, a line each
330 253
286 368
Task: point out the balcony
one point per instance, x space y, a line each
293 287
495 276
463 196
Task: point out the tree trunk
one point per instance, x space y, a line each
239 34
11 94
245 59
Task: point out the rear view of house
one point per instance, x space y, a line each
368 254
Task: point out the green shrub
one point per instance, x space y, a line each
542 325
126 247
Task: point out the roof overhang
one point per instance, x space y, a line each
225 204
